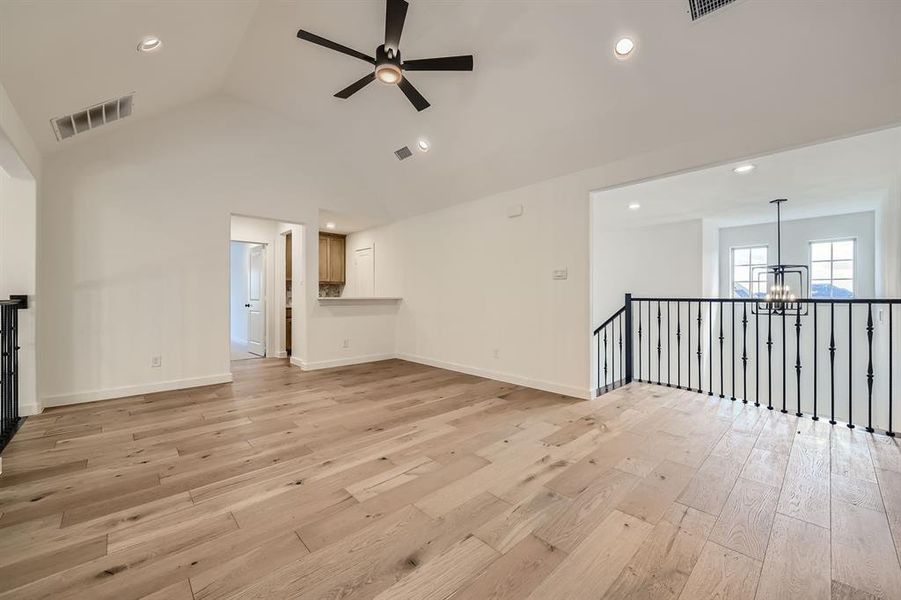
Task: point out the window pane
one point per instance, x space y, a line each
740 290
741 274
843 250
843 288
758 256
741 256
760 289
843 269
820 289
820 251
820 270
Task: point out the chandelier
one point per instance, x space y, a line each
785 284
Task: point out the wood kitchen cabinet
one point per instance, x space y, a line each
331 258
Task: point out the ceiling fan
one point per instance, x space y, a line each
389 68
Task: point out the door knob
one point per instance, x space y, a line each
246 306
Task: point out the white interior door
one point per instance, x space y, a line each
364 267
256 301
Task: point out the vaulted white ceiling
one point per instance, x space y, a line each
547 96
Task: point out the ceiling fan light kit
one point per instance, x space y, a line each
388 66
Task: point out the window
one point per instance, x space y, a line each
832 269
747 264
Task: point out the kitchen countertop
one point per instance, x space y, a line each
347 299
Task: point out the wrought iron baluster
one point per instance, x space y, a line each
688 345
732 362
710 348
605 357
639 341
659 347
784 351
722 395
621 355
870 367
798 359
891 367
769 360
650 343
744 352
832 362
669 339
850 369
678 345
757 358
815 416
700 373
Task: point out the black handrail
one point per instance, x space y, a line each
9 367
783 360
609 320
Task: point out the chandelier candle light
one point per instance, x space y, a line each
780 299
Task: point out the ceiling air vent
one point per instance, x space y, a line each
92 117
403 153
699 8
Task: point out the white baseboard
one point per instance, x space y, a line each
28 410
280 354
339 362
135 390
537 384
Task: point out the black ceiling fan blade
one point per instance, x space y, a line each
395 13
312 37
413 94
356 86
444 63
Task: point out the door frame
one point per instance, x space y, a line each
265 299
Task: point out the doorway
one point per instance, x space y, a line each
266 289
248 300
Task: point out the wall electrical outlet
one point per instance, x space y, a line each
156 361
559 274
497 353
346 343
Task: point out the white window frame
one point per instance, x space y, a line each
810 262
750 266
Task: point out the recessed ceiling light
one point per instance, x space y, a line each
149 44
424 144
624 47
743 169
634 206
329 225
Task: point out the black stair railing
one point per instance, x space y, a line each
785 359
9 367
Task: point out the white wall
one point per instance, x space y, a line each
134 239
388 258
20 171
654 261
796 238
18 205
476 282
134 230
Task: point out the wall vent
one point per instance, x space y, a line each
403 153
92 117
699 8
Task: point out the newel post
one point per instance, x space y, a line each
628 314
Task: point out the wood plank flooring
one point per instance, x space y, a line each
394 480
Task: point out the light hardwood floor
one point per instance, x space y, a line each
394 480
